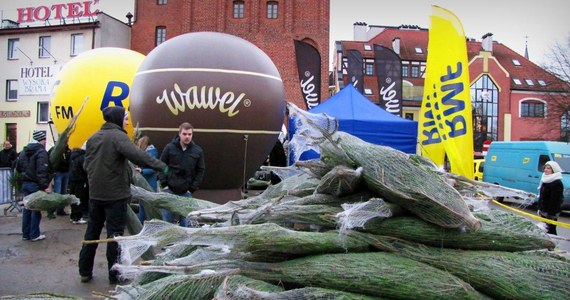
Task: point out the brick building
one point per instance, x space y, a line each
270 25
512 98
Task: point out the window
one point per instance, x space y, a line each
272 9
13 48
76 44
516 62
409 116
517 81
565 127
415 71
485 109
160 35
368 91
419 50
529 81
43 112
45 46
369 68
11 90
238 9
161 2
541 82
405 71
367 48
532 109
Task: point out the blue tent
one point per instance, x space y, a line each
360 117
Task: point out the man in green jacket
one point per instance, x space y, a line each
107 157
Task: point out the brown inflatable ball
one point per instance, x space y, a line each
229 90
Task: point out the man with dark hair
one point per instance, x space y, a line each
185 160
109 175
33 165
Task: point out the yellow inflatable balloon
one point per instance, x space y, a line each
104 77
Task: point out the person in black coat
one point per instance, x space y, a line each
187 167
8 155
33 165
550 194
78 186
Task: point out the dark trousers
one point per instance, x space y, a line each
551 227
81 191
113 214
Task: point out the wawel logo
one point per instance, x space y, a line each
388 94
308 90
203 97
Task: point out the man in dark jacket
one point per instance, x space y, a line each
107 158
78 186
33 166
8 155
186 165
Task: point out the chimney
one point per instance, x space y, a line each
396 45
487 42
360 31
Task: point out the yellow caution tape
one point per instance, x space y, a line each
557 223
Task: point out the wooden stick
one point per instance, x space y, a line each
102 241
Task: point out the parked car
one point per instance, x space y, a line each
519 165
478 165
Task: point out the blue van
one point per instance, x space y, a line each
519 165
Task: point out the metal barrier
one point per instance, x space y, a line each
7 192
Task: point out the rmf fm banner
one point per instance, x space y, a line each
309 67
445 117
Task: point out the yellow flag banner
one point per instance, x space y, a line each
445 117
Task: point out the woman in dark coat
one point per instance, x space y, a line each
550 194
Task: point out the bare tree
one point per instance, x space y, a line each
558 62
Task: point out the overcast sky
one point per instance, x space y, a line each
544 22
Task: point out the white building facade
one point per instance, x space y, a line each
34 52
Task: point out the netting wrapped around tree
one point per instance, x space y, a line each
174 203
501 275
49 202
378 274
264 241
196 286
340 181
500 231
308 293
232 286
393 176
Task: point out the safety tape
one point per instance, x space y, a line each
557 223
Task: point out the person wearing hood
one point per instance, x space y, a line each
187 167
148 173
109 175
33 165
550 194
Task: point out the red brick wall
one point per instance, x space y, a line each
297 19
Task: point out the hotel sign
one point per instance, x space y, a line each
68 10
37 80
